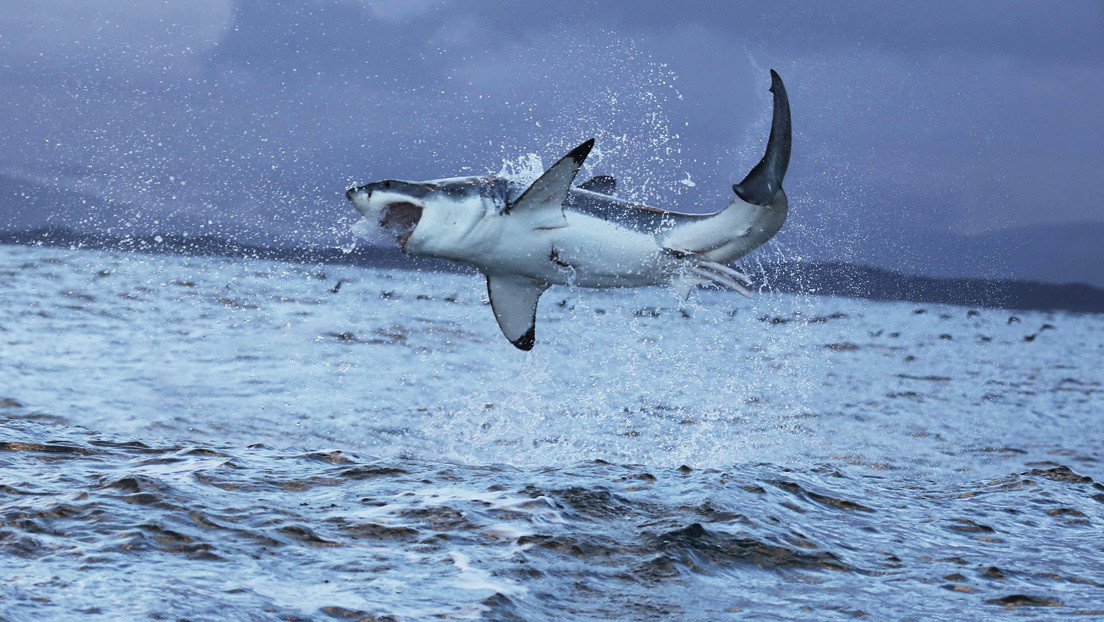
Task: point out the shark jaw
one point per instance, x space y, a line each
393 213
400 218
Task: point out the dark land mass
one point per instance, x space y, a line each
818 278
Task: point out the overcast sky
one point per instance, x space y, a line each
253 116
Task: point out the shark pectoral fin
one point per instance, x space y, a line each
514 301
545 198
602 184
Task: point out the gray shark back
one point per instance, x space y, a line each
630 215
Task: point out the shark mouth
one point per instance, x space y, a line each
400 219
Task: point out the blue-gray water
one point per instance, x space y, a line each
186 438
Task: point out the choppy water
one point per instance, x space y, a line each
190 438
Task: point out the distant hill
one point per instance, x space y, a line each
822 278
29 204
208 246
1067 253
856 281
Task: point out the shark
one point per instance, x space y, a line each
527 238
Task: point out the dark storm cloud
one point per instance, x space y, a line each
912 122
1067 31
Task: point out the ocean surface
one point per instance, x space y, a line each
191 438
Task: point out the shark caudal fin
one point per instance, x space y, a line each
760 206
753 217
765 180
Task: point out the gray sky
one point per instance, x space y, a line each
916 120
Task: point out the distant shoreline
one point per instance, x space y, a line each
817 278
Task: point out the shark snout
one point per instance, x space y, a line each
385 192
391 205
358 196
364 190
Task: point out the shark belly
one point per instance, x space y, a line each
586 252
598 253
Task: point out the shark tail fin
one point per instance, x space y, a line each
765 180
758 210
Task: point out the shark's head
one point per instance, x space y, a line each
429 217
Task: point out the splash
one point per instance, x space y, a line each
371 232
627 108
524 169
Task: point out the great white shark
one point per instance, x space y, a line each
526 239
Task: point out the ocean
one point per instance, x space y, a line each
200 438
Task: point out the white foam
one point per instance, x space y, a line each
473 578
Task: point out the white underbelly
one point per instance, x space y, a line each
588 252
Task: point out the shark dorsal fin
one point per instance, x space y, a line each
514 301
547 195
602 184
